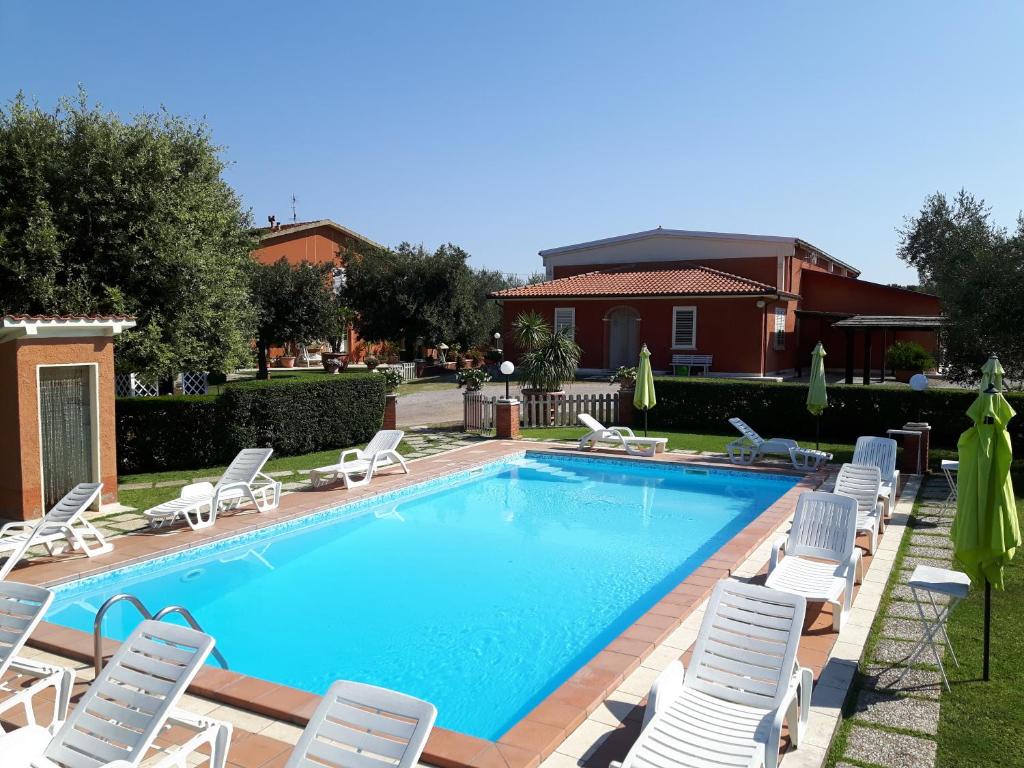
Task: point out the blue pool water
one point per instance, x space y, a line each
481 592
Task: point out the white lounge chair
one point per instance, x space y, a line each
821 563
863 483
727 708
380 452
61 529
618 436
880 452
199 503
751 446
22 607
363 726
127 707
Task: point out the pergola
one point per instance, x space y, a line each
868 324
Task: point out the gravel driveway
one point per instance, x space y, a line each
444 406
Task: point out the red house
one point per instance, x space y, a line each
756 304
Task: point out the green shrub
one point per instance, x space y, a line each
908 356
780 410
292 416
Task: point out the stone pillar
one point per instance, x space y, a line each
390 418
915 447
506 419
625 408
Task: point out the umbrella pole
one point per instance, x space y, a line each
817 432
645 422
988 623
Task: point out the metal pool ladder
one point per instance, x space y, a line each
97 625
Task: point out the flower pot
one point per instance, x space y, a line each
904 374
338 361
286 362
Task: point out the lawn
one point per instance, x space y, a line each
981 724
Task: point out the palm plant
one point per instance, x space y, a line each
549 358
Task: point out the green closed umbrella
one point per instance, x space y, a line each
817 396
985 533
991 374
643 395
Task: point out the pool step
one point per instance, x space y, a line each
547 469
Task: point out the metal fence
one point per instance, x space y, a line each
542 410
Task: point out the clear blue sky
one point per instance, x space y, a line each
508 127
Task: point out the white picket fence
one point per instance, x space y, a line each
542 410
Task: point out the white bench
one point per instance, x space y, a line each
691 361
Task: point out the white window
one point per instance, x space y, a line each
565 319
337 279
779 334
684 327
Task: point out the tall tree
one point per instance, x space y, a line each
977 269
100 215
293 304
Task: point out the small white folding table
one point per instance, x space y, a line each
925 583
949 469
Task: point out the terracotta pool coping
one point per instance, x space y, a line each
540 732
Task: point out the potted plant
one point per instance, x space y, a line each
392 379
371 362
472 379
550 358
476 355
906 358
625 377
456 355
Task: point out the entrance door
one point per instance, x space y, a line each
65 419
623 337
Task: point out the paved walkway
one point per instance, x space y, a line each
895 722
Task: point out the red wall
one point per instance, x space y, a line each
729 329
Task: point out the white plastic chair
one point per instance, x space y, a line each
728 707
880 452
863 483
199 503
380 452
363 726
751 446
60 530
22 607
127 707
618 436
821 563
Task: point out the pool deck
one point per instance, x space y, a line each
590 719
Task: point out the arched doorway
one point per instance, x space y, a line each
623 336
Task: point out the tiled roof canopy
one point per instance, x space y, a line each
689 281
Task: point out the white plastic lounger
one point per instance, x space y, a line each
728 707
363 726
380 452
60 530
199 503
880 452
127 707
619 436
821 563
863 483
751 446
22 607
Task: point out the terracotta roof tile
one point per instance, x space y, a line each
60 318
687 281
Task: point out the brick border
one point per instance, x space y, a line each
544 728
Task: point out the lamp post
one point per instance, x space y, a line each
507 368
497 344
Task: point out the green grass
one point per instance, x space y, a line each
981 724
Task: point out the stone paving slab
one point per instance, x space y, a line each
903 629
916 682
902 592
902 609
894 711
931 541
942 554
896 651
892 750
911 563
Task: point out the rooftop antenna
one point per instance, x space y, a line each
295 218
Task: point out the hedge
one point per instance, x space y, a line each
291 416
779 409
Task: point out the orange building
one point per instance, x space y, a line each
756 304
56 409
315 242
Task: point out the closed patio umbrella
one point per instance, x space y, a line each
985 532
991 373
817 396
643 395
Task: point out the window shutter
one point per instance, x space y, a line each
565 319
684 327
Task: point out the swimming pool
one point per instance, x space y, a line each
481 591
